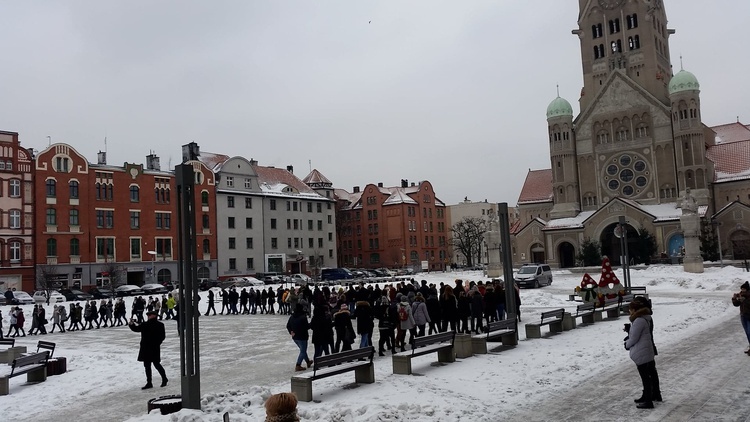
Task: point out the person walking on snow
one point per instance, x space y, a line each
152 336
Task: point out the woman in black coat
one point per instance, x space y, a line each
152 336
433 309
464 312
490 304
448 309
477 311
322 331
342 321
297 326
365 322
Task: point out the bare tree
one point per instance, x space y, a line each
45 279
113 277
467 237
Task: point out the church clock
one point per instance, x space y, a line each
610 4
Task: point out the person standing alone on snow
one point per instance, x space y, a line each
742 300
152 336
640 343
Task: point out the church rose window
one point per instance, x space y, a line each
625 160
627 174
627 190
641 181
639 166
612 170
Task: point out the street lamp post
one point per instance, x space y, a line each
153 270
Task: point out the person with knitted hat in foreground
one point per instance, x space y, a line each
281 407
742 300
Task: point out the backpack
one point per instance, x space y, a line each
403 314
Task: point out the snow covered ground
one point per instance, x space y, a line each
245 359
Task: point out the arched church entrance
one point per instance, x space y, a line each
537 254
740 242
567 255
611 243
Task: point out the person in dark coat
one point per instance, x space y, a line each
448 309
342 321
464 312
477 311
365 323
152 336
322 331
433 309
211 298
490 304
298 327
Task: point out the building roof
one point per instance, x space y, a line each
212 160
731 161
537 187
316 179
683 81
732 132
559 107
274 180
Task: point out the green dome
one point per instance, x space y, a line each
683 81
559 107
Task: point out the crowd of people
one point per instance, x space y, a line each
407 308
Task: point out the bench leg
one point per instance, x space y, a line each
402 365
587 319
613 313
37 375
533 331
556 327
6 356
509 339
302 388
479 346
4 386
598 316
365 374
446 355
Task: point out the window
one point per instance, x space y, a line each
73 220
248 242
135 248
248 222
320 242
232 263
288 206
109 219
135 194
75 247
230 201
273 223
14 219
230 222
274 243
51 188
51 247
297 224
272 204
51 217
634 43
232 243
596 31
248 202
309 207
164 247
248 184
73 188
320 225
309 224
289 242
289 224
204 198
135 219
294 206
311 244
250 263
15 251
230 181
205 222
206 246
319 207
14 188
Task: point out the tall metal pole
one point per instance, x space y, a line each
624 256
188 287
507 260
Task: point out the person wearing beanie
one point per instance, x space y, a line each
640 344
742 300
281 407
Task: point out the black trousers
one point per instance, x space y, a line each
650 380
159 368
211 307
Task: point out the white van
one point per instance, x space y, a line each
534 275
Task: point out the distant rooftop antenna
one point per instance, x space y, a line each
49 140
558 90
681 67
309 163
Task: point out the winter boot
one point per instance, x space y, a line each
147 386
645 405
299 368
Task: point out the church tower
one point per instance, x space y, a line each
689 142
562 150
629 36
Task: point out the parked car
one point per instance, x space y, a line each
300 279
128 290
40 296
534 275
240 282
169 285
20 298
154 289
74 294
98 294
207 283
334 274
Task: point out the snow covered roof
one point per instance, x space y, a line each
352 199
731 160
732 132
570 222
316 179
660 213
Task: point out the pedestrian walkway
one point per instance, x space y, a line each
706 379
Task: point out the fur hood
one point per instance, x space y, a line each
640 313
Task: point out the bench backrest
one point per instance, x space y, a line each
553 314
627 298
27 360
343 357
586 307
423 341
46 345
506 324
8 342
638 289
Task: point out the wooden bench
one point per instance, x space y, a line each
553 318
10 350
34 366
442 343
614 307
505 330
46 345
357 360
586 312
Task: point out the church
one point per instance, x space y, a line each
638 148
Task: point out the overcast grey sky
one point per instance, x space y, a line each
454 92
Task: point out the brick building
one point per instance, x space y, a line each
16 214
393 227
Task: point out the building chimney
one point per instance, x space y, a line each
253 162
413 184
404 183
101 158
356 189
290 169
152 162
380 184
